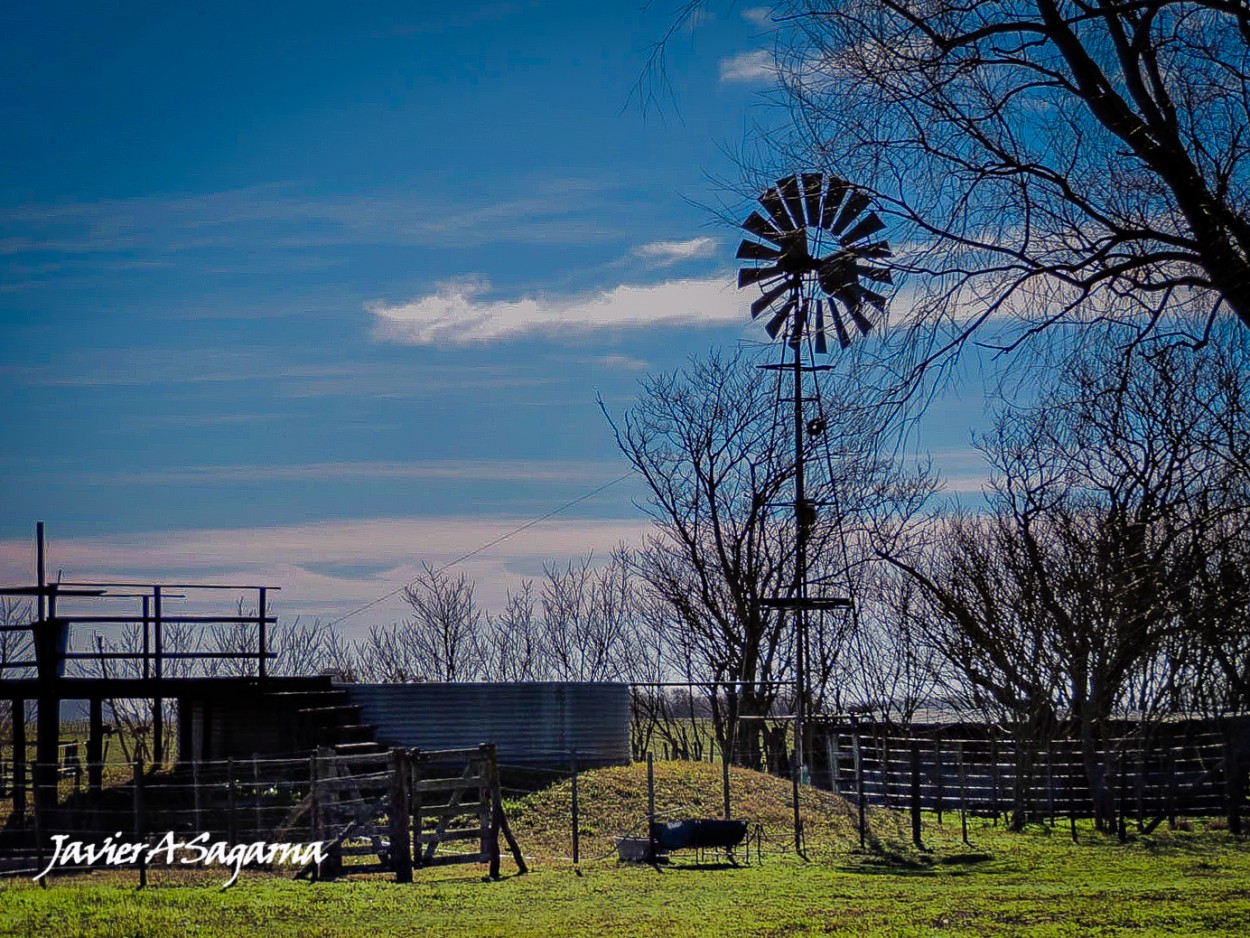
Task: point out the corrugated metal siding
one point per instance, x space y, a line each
534 724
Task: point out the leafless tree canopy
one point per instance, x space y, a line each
1042 159
1108 577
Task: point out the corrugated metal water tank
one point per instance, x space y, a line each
534 724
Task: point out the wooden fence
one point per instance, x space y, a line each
1146 779
386 812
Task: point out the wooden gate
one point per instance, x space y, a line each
407 808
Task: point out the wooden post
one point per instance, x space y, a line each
1122 823
1170 793
724 784
1069 788
314 809
95 745
232 802
256 799
577 854
19 763
651 845
1233 791
915 796
499 820
399 812
1050 782
195 792
415 805
139 823
859 789
794 794
834 763
963 793
937 771
994 777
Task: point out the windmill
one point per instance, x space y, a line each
815 257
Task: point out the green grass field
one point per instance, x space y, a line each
1038 882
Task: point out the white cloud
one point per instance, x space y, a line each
461 313
327 568
493 470
749 66
664 253
759 16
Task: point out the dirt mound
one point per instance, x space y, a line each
613 802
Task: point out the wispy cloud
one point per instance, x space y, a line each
328 568
462 312
493 470
759 16
664 253
758 65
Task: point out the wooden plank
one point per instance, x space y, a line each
449 859
447 755
449 784
460 833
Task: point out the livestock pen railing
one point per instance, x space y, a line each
384 812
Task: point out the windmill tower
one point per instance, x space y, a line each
812 255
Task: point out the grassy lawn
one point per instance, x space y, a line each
1177 883
1183 882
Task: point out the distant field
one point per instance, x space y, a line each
1037 883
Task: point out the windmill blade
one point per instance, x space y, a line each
877 249
750 275
811 196
878 274
751 251
870 225
854 205
852 304
789 189
772 203
769 297
757 226
822 347
779 318
876 299
833 195
844 340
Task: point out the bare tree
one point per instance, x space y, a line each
441 641
1046 159
710 443
1103 571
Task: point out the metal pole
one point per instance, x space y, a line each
576 833
801 522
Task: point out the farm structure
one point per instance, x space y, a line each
329 744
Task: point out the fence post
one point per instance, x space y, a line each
963 789
314 819
651 845
937 770
994 776
416 806
1122 782
1232 786
139 824
399 812
232 823
859 787
19 763
1070 787
724 783
915 795
577 856
835 763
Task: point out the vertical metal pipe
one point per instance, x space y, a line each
261 623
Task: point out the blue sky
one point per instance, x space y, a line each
311 293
